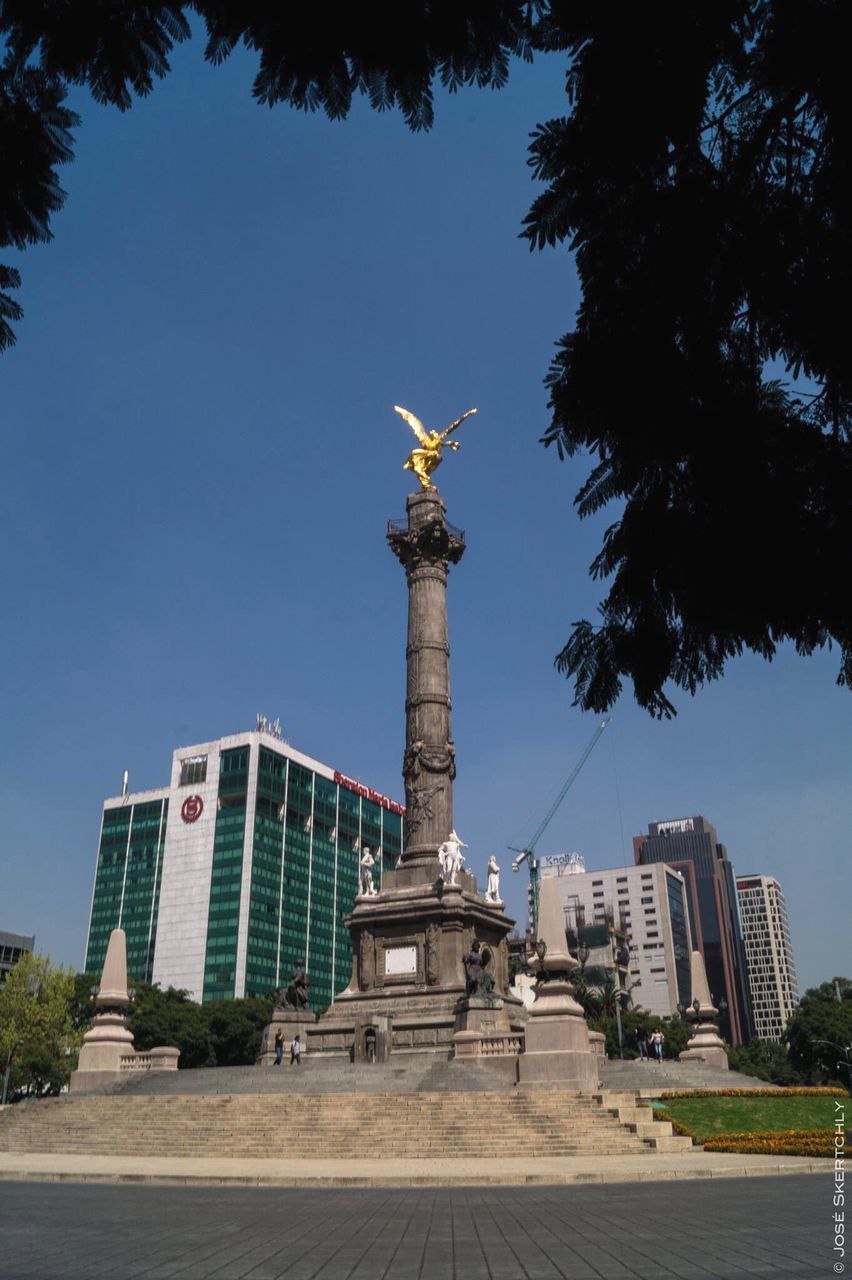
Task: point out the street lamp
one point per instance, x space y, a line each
618 991
846 1050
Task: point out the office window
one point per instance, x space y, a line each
193 770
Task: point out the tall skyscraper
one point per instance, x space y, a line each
645 904
239 870
769 953
692 847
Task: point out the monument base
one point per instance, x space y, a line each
558 1053
408 974
484 1036
293 1022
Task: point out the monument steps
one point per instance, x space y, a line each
635 1075
317 1075
420 1125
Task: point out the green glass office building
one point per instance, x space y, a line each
242 868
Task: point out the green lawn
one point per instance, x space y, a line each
705 1116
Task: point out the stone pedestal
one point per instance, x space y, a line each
484 1036
103 1048
557 1053
705 1044
597 1043
485 1017
293 1022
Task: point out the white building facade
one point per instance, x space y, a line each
649 905
769 954
239 870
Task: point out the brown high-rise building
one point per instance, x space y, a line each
692 847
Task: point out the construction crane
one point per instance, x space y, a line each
527 854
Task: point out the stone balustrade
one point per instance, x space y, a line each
503 1045
160 1059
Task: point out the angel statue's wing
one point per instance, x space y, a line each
415 424
455 425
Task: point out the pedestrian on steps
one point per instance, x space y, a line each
296 1051
279 1047
642 1043
657 1042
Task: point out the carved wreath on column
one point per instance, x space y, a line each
432 759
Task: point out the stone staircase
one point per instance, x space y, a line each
404 1074
650 1078
334 1125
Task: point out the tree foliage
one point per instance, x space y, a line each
224 1033
675 1031
36 1030
701 176
819 1034
766 1060
703 181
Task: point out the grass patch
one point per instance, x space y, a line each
704 1117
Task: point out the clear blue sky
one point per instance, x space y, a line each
201 456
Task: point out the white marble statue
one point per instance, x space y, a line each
451 858
492 893
368 889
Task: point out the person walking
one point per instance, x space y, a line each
642 1043
657 1042
296 1051
279 1047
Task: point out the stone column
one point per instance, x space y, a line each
426 546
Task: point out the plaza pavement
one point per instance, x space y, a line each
727 1228
370 1169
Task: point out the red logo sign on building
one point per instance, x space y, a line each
192 808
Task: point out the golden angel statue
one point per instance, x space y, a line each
424 460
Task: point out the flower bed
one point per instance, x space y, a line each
802 1092
817 1143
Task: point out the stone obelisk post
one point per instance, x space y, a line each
426 546
705 1043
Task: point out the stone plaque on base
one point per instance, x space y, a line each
400 960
